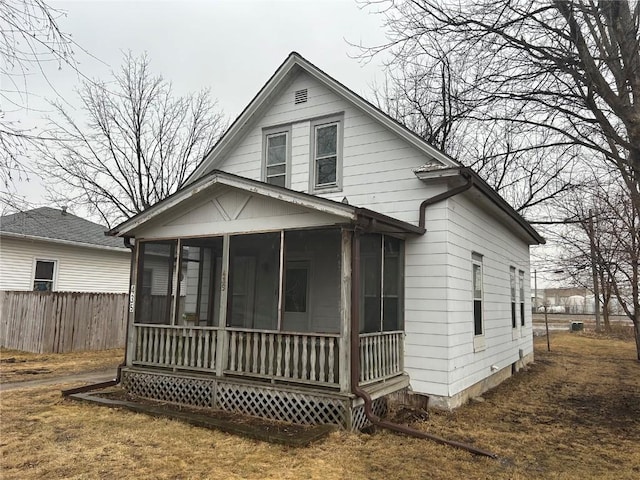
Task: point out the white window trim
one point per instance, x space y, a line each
522 313
479 341
339 121
54 284
266 132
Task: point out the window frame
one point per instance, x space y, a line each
513 288
522 309
272 132
54 274
477 260
315 124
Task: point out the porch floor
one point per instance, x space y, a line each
233 423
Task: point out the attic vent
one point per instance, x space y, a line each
300 96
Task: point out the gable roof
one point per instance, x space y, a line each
59 226
290 68
350 213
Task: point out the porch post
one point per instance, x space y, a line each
221 342
345 312
130 330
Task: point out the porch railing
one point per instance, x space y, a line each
380 355
177 346
297 357
305 358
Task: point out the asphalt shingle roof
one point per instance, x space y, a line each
47 222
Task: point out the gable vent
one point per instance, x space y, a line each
300 96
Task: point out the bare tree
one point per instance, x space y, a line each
138 145
568 70
606 235
30 40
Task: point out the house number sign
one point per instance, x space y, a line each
132 298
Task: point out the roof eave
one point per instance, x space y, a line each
64 242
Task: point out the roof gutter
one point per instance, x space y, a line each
355 365
443 196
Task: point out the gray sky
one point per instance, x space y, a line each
232 47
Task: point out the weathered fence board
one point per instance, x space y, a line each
59 322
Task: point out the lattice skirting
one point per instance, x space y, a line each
359 419
276 403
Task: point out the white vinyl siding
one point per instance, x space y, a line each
78 269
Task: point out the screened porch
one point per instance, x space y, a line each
269 307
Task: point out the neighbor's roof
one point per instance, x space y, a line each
52 224
349 213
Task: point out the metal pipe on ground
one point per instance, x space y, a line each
355 366
96 386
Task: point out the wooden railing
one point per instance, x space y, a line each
305 358
310 358
176 346
380 355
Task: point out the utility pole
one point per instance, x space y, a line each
594 270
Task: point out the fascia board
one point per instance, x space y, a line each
63 242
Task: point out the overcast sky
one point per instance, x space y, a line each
231 47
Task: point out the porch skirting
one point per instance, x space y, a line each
275 402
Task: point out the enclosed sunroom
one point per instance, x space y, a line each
252 298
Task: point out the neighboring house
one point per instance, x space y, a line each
48 249
324 254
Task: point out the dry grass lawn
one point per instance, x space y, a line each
16 366
574 414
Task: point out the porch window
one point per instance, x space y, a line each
156 289
381 263
521 274
254 276
512 275
199 287
276 156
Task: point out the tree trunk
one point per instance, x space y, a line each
605 314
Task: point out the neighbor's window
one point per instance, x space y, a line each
43 276
156 289
478 327
512 276
326 155
521 298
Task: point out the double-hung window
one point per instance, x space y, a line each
478 324
276 156
326 155
521 274
44 275
512 277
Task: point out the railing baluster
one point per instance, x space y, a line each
212 355
304 357
271 355
322 359
256 338
279 355
205 353
232 367
287 355
263 353
312 360
296 357
331 378
241 366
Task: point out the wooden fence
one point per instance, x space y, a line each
60 322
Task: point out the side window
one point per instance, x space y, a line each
512 277
521 298
326 155
44 275
478 323
276 156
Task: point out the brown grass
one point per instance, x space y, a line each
16 366
574 414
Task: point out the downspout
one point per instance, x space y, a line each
115 381
355 364
443 196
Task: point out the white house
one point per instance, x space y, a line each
324 256
47 249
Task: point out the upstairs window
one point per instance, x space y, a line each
43 276
276 156
326 161
521 298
